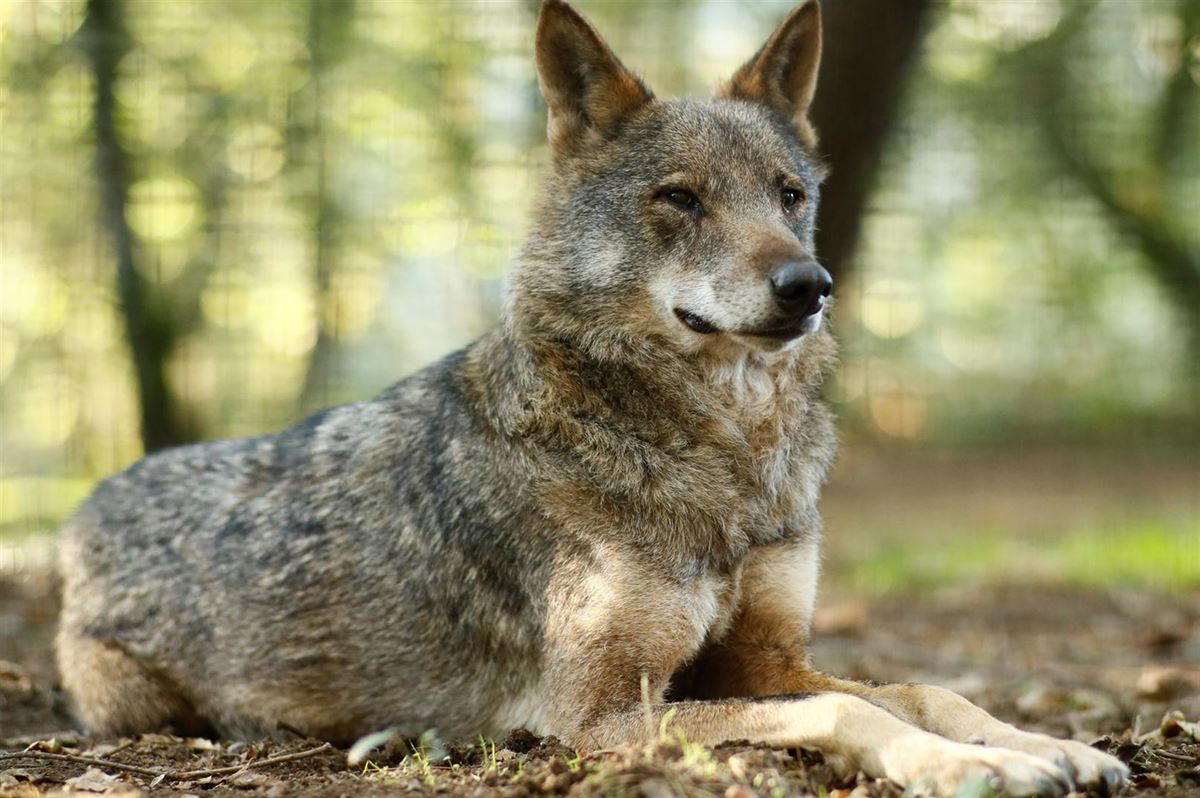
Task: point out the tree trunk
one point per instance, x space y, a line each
330 25
869 47
150 337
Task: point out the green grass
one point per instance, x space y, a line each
1163 554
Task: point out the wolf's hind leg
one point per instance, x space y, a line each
115 694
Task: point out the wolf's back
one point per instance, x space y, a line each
263 580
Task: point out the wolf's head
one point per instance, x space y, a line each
686 223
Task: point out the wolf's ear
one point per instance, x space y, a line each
587 90
783 74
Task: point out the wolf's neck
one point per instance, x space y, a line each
644 389
750 388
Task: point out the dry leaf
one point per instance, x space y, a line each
157 739
93 780
248 779
1165 683
843 619
1174 724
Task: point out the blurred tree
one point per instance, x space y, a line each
868 49
149 330
1135 200
329 35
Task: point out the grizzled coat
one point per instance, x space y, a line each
617 484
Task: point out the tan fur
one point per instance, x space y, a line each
120 687
777 78
588 91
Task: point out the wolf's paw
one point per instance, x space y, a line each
1087 767
942 768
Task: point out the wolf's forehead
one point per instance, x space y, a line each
726 136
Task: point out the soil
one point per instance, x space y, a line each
1115 669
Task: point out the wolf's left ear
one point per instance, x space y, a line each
587 90
783 74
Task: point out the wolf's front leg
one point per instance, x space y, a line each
764 652
853 735
615 620
946 713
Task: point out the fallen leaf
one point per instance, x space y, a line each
157 739
1174 724
1165 683
93 780
1147 781
843 619
248 779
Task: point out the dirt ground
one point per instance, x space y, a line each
1105 668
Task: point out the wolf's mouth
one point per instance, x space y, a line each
786 332
696 323
782 332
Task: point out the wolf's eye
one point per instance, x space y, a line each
683 199
791 198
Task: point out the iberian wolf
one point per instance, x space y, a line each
618 485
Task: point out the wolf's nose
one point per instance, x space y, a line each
800 286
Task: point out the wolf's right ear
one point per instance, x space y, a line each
587 90
783 74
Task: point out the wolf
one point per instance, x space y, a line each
602 511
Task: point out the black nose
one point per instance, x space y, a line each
800 286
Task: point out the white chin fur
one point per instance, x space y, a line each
811 325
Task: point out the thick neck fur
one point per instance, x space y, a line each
695 457
691 448
613 346
611 340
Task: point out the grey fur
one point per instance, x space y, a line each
390 563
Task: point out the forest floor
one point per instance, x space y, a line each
1110 668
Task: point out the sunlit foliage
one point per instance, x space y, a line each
326 213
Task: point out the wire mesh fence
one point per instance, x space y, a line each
326 195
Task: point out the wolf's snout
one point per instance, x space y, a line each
800 287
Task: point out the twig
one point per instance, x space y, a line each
165 775
183 775
83 760
66 737
1171 755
